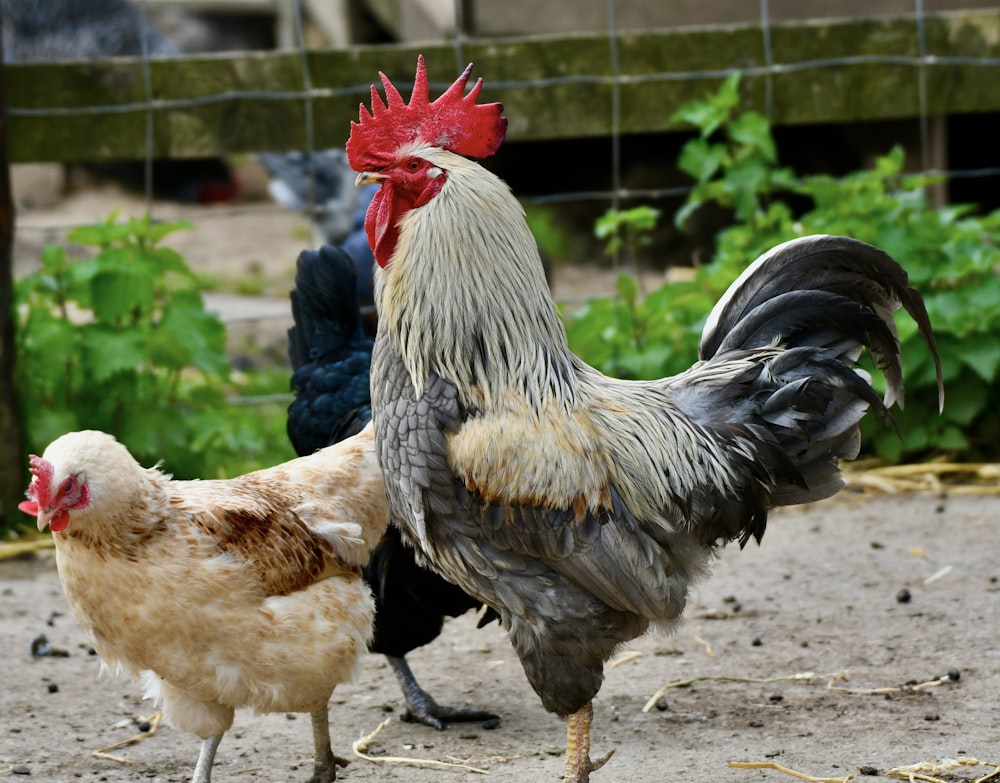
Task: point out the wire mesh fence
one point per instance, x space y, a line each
259 238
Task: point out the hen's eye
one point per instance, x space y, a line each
68 485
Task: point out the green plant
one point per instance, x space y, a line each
120 341
951 255
733 159
626 229
552 241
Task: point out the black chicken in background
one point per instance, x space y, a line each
330 349
57 30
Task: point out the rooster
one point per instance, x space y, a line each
244 592
330 349
581 507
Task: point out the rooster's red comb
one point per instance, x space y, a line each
452 121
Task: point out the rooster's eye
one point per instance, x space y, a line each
413 165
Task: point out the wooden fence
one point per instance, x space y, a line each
553 87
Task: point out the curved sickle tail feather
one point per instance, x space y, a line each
807 308
802 291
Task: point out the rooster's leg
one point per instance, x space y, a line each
325 770
421 708
203 769
578 762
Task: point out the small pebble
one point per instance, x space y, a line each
932 718
903 596
775 697
21 769
756 642
144 726
954 675
40 646
53 688
662 704
756 724
491 724
868 770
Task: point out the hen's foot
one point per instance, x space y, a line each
421 707
579 765
203 769
326 763
325 771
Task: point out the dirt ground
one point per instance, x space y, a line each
821 595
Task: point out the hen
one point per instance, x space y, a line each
244 592
330 349
581 507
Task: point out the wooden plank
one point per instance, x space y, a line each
552 87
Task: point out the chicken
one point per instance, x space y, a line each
581 507
221 594
330 351
321 186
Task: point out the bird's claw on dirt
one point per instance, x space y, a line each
327 771
583 772
430 713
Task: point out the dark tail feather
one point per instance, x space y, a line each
805 311
324 304
329 352
760 305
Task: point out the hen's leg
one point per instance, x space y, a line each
325 769
578 762
421 708
206 757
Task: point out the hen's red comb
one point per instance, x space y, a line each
42 470
452 121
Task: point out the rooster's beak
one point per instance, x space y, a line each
369 178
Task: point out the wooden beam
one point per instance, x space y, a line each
552 87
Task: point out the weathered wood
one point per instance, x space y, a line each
553 87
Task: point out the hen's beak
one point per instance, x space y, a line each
369 178
43 519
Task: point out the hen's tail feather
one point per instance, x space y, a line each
822 267
324 304
329 352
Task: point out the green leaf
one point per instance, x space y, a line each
190 335
980 356
111 352
122 293
627 289
754 130
701 159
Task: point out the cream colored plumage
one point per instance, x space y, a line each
223 594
